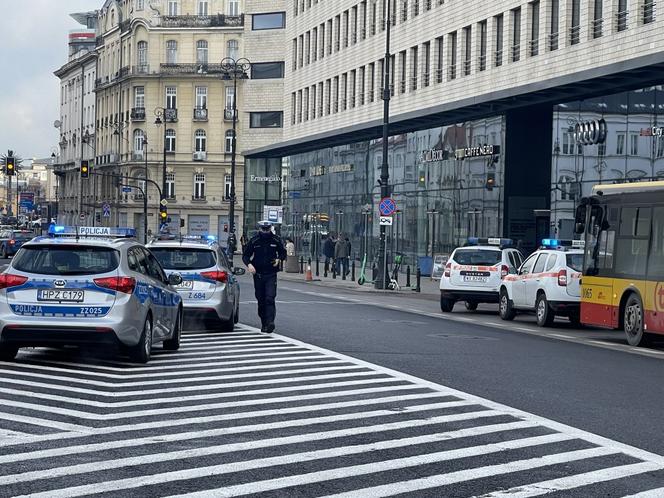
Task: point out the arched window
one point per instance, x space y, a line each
232 49
142 53
200 141
202 51
171 52
170 140
139 136
229 141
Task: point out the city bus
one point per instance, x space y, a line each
622 286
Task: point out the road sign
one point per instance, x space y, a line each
387 206
386 221
126 189
273 214
164 202
106 210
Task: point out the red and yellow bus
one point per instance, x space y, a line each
623 275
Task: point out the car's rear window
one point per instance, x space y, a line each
183 258
575 261
24 235
66 260
485 257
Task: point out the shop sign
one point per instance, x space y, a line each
433 155
478 151
590 132
655 131
335 168
265 179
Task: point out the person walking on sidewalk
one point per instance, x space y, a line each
328 251
340 255
347 258
262 256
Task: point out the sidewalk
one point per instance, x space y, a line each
428 288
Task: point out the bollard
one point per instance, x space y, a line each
317 266
418 278
326 268
301 264
408 276
374 271
353 271
334 270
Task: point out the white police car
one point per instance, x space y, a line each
88 286
475 271
548 283
209 289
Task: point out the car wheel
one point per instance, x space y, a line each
228 325
505 308
140 353
446 305
7 352
173 344
633 321
545 315
471 305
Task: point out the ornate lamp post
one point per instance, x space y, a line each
161 116
233 69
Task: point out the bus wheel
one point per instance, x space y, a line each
633 321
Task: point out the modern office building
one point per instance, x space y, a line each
502 115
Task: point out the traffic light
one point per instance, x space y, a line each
85 169
422 178
10 166
163 214
490 181
225 227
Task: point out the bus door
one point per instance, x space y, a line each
654 298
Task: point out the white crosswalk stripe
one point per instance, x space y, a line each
242 413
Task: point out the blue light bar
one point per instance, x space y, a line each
554 243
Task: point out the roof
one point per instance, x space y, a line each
191 244
623 188
82 241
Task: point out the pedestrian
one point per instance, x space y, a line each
347 258
328 251
262 256
243 241
340 254
290 247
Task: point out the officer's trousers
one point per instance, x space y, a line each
265 287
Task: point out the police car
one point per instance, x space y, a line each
548 283
475 271
209 289
88 286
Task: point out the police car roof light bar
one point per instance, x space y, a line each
489 241
558 243
76 231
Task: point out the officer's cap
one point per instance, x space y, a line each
264 224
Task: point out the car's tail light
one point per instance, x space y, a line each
448 267
8 280
12 242
504 271
125 285
219 276
562 278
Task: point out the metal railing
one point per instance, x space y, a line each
553 41
575 35
200 114
219 20
621 20
596 26
138 114
533 48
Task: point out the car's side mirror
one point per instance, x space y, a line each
239 271
175 279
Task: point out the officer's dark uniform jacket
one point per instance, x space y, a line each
262 251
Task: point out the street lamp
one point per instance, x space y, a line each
160 118
233 69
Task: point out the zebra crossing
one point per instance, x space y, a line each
243 413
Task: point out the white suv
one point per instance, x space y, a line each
548 283
475 272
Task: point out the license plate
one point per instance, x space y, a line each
61 295
468 278
186 284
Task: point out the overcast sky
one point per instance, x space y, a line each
34 44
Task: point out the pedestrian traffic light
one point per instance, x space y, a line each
422 178
225 227
10 166
163 214
490 181
85 169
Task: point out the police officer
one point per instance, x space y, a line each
262 255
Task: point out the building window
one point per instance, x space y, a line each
173 7
555 23
534 28
467 41
201 52
267 70
139 137
227 187
139 97
634 144
453 55
483 42
170 186
660 147
440 57
233 7
233 49
498 53
620 144
142 53
516 34
199 186
171 52
648 11
229 141
275 20
201 97
575 29
171 97
140 4
200 141
597 18
170 140
270 119
202 8
621 15
230 98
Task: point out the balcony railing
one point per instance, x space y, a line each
193 68
141 69
138 114
171 114
200 114
228 114
574 35
124 25
621 20
199 155
216 21
596 27
553 41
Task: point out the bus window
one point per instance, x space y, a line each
632 244
656 258
600 240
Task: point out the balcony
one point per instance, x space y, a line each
195 68
228 114
141 69
137 155
138 114
124 71
200 114
216 21
125 25
200 156
171 115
